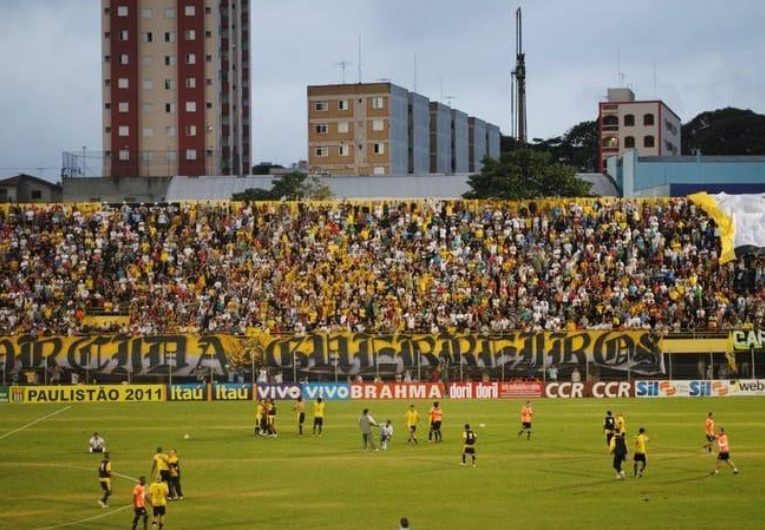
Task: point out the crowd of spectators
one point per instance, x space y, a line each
425 266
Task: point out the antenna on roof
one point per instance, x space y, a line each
449 99
343 65
359 58
619 73
655 94
415 72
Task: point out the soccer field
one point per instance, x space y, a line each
561 478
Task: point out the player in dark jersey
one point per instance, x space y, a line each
468 447
105 479
609 425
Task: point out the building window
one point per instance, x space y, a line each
191 130
148 84
191 154
208 58
123 82
321 128
191 106
148 108
191 82
648 141
148 133
107 82
208 10
123 106
169 84
107 58
107 10
208 34
36 195
124 130
107 106
148 37
169 36
169 12
610 122
629 120
169 60
344 151
647 119
191 58
629 142
321 106
321 152
611 142
342 104
378 149
124 154
378 125
170 132
146 12
208 81
209 105
378 103
191 34
122 11
147 156
169 108
107 129
146 60
189 11
342 127
124 35
124 58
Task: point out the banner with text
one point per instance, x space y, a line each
122 354
700 388
744 340
351 353
88 394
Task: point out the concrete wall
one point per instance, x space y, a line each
399 131
460 148
440 138
419 134
477 148
116 189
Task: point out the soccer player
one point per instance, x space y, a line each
526 414
366 422
105 479
621 425
176 492
158 492
271 415
709 432
619 450
609 424
386 433
159 467
318 416
436 417
96 444
723 455
640 452
412 420
139 503
300 409
468 448
260 418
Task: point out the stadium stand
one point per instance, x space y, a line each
371 266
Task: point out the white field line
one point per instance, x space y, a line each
95 517
38 420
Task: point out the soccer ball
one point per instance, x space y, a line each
186 436
482 425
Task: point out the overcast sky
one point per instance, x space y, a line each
708 54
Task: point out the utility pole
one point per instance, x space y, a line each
519 76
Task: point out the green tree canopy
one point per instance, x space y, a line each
728 131
526 174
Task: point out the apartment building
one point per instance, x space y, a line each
649 127
493 140
383 129
176 87
477 144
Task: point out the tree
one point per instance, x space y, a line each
525 174
291 187
728 131
577 147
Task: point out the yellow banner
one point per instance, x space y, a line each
87 394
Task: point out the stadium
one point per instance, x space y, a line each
138 321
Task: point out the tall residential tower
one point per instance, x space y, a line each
176 87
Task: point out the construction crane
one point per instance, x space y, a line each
518 89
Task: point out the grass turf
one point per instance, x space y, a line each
232 480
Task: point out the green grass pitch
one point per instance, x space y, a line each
562 478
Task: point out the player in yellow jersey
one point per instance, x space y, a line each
318 417
159 466
412 420
158 493
299 408
527 413
468 448
621 424
105 479
260 417
640 452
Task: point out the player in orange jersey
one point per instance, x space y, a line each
709 432
723 455
139 504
